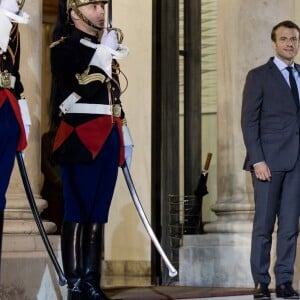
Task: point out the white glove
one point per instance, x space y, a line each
11 9
25 116
128 144
121 53
21 18
5 27
10 5
110 39
102 59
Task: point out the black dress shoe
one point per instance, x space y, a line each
286 291
262 292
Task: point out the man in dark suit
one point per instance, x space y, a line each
270 125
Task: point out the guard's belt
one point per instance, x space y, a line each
70 106
87 108
99 109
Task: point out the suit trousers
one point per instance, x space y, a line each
278 199
9 135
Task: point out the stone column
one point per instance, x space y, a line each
26 269
18 216
222 256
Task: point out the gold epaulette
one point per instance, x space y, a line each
57 42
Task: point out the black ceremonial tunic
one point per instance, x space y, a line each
81 136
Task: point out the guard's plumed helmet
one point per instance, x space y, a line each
71 4
75 4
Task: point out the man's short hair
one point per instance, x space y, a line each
287 24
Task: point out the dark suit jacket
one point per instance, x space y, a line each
270 119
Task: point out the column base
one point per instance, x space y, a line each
19 218
26 269
222 260
228 227
26 227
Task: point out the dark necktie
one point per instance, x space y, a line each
293 85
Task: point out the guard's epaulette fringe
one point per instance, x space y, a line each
57 42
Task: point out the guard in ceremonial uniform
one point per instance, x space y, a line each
14 115
89 144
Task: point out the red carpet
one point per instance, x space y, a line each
172 292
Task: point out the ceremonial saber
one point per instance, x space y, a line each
137 203
133 193
35 212
109 14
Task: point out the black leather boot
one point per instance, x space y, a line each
71 249
92 247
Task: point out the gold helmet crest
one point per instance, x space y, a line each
71 4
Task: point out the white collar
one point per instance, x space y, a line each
280 64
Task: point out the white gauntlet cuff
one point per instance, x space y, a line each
127 136
128 145
102 58
25 116
24 111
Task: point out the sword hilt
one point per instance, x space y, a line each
119 32
207 163
110 27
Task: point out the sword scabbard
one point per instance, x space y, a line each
37 218
142 215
